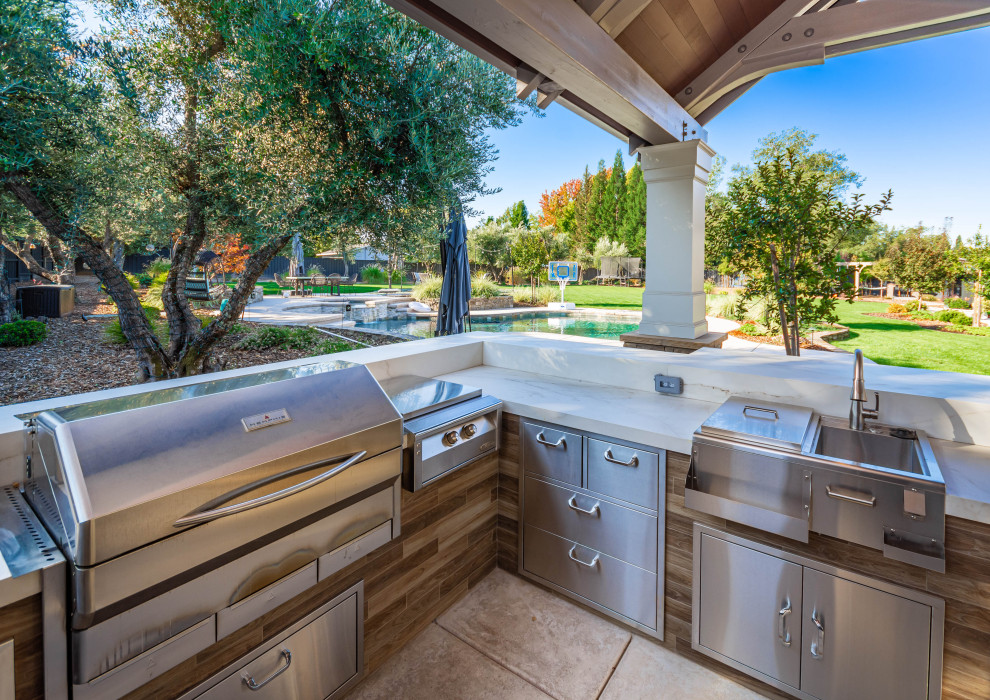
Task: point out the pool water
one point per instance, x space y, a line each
589 326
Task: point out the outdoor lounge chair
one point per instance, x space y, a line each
609 271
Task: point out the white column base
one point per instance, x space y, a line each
674 314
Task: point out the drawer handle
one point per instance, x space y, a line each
543 441
633 461
592 565
782 634
850 498
255 685
758 409
594 510
818 644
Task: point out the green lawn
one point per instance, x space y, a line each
601 296
889 341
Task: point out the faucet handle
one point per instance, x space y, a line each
873 413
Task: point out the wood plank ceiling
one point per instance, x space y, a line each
675 40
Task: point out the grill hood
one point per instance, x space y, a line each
119 474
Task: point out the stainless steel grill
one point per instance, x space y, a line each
174 505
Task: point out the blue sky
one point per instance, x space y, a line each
914 118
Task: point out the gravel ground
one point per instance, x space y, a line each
76 358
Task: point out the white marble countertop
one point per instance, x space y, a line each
966 470
645 417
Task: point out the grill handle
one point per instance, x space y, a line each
209 515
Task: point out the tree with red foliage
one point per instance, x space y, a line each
557 206
233 253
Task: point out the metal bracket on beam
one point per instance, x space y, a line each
636 143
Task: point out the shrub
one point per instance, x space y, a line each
923 315
132 280
709 287
158 266
546 295
953 317
916 306
314 270
21 333
896 308
428 289
144 279
484 286
281 337
330 346
749 328
374 274
957 303
928 297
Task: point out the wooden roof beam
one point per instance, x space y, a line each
559 40
810 38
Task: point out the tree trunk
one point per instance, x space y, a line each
63 261
781 308
6 306
22 250
151 357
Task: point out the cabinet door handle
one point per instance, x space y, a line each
594 510
591 565
782 634
850 497
633 461
255 685
818 644
543 441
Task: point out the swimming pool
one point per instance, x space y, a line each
587 325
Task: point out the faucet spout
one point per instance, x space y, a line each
857 397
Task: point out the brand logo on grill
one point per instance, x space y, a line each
265 420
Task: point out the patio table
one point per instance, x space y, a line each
299 283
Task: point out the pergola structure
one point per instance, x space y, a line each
654 73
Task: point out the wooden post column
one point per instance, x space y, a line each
676 178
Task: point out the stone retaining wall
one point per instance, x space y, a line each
480 303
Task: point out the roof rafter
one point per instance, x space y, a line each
583 66
811 35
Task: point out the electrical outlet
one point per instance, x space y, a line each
668 385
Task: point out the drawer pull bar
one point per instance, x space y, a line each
782 634
543 441
869 502
633 461
818 644
592 565
768 412
594 510
255 685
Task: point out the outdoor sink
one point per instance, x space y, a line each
876 446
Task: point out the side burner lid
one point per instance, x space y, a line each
761 422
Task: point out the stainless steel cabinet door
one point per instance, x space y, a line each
750 608
859 643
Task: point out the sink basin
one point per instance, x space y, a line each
896 449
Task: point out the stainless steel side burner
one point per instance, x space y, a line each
446 426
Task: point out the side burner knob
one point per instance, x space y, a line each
469 430
450 438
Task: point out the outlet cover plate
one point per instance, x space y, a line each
668 385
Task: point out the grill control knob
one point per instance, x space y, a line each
469 431
450 438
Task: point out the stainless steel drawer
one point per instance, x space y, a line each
627 473
619 532
552 453
609 582
311 664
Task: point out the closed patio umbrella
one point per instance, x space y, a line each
455 293
297 262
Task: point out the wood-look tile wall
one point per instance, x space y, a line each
21 621
965 586
447 545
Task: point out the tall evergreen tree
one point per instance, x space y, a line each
632 231
598 218
582 228
615 194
